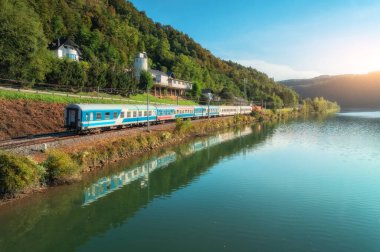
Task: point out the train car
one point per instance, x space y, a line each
166 113
81 117
87 117
229 110
184 112
212 111
245 110
200 111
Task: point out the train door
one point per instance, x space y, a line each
72 118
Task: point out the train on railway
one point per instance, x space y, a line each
92 117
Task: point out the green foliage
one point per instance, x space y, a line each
226 93
61 168
109 34
22 42
277 102
319 105
196 90
18 173
183 126
146 80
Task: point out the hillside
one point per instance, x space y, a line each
109 33
352 92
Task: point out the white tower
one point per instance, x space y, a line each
140 64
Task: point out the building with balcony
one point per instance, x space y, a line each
163 83
65 48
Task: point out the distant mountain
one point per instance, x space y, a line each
352 92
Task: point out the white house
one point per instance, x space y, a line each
65 48
161 80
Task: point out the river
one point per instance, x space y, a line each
305 185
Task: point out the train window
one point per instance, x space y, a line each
145 113
98 116
134 113
114 115
150 113
140 113
87 116
91 116
122 114
107 115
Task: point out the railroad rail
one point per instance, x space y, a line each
65 135
36 139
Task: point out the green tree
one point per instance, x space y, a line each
146 81
277 102
22 42
226 94
195 90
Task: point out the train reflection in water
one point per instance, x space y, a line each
114 182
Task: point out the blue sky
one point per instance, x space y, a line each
283 38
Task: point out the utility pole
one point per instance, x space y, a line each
208 108
209 97
147 107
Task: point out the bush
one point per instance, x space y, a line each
61 168
18 173
182 126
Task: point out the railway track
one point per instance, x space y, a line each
36 139
52 137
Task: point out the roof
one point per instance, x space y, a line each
110 106
63 41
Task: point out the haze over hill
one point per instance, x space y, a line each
352 92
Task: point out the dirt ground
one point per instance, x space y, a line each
24 117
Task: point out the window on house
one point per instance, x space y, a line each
98 116
107 115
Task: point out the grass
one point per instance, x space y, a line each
50 98
153 99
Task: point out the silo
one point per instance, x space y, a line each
140 64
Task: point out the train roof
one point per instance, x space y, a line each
139 107
100 106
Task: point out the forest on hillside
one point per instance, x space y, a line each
109 34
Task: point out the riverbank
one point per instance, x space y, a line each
22 176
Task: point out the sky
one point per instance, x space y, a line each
286 39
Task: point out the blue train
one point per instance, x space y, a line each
87 117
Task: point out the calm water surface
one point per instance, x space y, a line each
302 186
